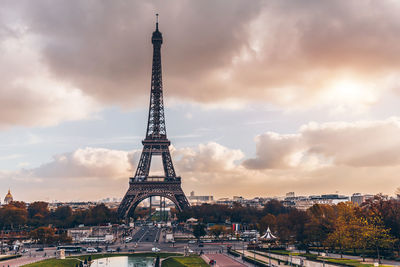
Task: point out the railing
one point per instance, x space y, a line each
153 179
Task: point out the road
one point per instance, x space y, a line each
147 234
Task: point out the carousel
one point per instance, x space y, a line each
269 240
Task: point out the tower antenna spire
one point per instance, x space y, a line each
157 22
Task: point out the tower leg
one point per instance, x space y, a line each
150 211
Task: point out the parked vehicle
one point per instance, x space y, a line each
91 250
71 249
155 249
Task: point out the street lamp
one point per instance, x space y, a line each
269 254
243 251
323 254
290 248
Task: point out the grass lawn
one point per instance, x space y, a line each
344 261
284 252
184 261
72 260
355 263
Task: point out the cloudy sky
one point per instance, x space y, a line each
262 97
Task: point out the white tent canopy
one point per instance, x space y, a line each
268 235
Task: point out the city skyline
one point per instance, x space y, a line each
262 98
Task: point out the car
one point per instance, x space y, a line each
207 241
25 250
99 249
192 241
111 250
128 239
201 245
155 249
131 250
91 250
40 249
190 251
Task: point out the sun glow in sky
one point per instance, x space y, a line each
262 97
349 93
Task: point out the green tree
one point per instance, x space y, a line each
376 235
340 237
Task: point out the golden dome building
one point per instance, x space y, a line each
9 198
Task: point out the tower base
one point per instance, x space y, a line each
140 190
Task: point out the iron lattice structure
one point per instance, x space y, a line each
156 143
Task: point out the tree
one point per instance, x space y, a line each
18 204
99 214
62 217
275 207
376 235
268 220
340 237
62 213
321 223
63 238
38 211
13 215
217 230
199 230
43 235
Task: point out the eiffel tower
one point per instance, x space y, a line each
142 185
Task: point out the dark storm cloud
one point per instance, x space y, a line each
281 52
104 48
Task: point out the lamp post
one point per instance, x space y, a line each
269 254
243 251
290 248
323 254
